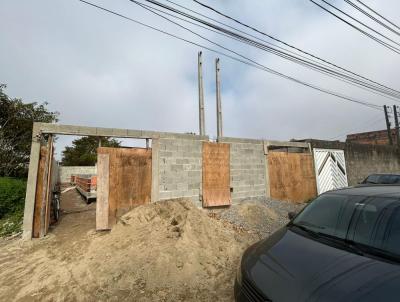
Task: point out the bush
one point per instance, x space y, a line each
12 200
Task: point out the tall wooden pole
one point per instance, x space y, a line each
388 125
202 127
219 106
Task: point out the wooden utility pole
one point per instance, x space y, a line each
219 106
388 125
202 127
396 122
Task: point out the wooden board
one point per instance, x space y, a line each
103 165
216 175
49 189
129 179
291 176
40 193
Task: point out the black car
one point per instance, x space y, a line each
344 246
382 179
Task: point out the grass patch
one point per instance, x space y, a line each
12 200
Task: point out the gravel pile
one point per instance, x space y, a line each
259 217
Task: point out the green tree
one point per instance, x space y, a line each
16 122
83 151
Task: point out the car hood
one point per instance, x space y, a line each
290 267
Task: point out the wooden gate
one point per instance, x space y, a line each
216 175
291 176
123 182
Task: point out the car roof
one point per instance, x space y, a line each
389 174
371 191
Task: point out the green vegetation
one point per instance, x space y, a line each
84 151
12 198
16 123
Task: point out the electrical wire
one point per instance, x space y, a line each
360 22
364 12
370 123
378 14
246 61
322 69
383 43
281 41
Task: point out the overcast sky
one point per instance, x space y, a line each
97 69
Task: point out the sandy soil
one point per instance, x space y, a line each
167 251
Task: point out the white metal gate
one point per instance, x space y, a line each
330 169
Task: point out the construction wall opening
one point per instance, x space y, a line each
124 180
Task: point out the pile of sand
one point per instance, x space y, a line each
166 251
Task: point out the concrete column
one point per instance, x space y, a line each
219 106
202 129
31 184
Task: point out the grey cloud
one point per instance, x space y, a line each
99 70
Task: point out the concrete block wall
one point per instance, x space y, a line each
248 169
65 172
180 168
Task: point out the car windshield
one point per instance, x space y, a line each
371 223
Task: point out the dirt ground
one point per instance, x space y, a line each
166 251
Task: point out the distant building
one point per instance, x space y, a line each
372 138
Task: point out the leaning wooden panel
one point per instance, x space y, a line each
102 210
37 222
292 176
216 175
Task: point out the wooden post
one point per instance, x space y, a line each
45 192
202 130
49 191
219 106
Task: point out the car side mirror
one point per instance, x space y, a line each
291 215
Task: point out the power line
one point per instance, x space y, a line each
364 12
378 14
219 45
368 124
383 43
359 22
246 61
306 63
282 42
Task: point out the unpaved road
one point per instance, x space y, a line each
167 251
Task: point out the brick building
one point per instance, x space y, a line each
372 138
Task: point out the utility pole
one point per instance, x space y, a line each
396 122
219 106
202 127
388 125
